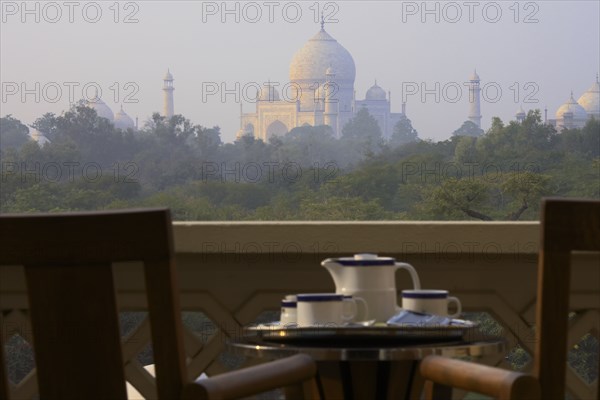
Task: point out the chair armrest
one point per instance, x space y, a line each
496 382
253 380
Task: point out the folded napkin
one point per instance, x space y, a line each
411 318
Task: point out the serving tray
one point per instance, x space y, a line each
379 334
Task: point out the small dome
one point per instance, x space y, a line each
375 93
573 107
268 93
168 76
330 71
38 136
123 121
520 112
101 108
474 76
590 100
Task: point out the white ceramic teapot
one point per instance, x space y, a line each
372 278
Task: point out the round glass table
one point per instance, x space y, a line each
367 364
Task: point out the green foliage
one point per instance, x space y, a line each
12 133
342 209
307 174
530 142
403 133
584 142
466 150
468 128
362 134
457 198
311 145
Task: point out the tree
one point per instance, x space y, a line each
342 209
584 142
403 133
528 143
310 146
525 188
457 198
246 149
373 181
47 124
12 133
468 128
363 134
208 141
176 129
96 138
483 199
466 150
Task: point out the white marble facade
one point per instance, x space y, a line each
320 92
575 114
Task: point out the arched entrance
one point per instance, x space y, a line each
276 128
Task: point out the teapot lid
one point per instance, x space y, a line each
366 259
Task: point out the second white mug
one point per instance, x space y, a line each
430 302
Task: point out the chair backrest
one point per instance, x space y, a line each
67 260
567 225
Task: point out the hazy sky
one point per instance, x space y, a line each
536 51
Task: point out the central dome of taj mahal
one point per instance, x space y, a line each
319 53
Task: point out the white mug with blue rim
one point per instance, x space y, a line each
430 301
288 310
324 309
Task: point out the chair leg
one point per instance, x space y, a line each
435 391
304 390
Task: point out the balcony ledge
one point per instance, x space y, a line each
358 236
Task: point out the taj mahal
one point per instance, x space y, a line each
575 114
323 74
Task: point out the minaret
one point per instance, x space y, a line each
168 107
242 131
520 115
330 116
474 107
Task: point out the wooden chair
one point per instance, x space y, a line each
567 225
68 268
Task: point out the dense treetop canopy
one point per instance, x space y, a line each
306 174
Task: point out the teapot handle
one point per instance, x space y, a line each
413 274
